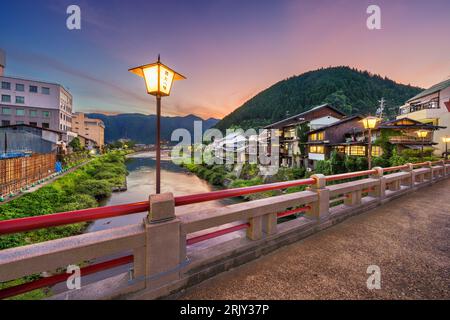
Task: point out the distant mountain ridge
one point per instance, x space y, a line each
350 90
142 128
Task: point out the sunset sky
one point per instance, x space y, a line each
228 49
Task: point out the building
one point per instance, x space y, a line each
93 129
342 136
431 106
27 139
407 137
87 143
36 103
287 131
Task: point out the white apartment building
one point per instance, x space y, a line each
32 102
431 106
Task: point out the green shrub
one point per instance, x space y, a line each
323 167
95 188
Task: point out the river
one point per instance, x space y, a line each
141 183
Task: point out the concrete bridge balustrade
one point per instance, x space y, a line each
169 251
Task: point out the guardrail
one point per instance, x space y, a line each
161 244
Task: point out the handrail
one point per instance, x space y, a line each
390 169
64 218
229 193
349 175
69 217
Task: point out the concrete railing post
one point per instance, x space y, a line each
429 176
165 246
320 209
353 198
380 189
411 180
254 231
269 223
442 171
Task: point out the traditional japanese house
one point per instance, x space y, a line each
287 131
407 137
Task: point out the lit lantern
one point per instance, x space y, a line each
158 77
158 81
370 122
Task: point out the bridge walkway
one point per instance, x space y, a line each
408 238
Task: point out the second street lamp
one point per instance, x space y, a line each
422 135
370 123
446 139
158 81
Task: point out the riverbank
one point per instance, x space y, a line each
249 175
81 189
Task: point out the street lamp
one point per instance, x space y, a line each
370 123
422 134
158 81
446 139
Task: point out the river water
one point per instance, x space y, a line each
141 183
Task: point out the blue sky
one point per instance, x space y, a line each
228 49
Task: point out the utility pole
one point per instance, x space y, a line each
381 108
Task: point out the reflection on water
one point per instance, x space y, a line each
141 183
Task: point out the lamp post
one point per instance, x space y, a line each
446 139
158 81
422 134
370 123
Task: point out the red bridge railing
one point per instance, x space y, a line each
64 218
70 217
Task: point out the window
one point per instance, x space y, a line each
34 124
45 125
317 136
45 90
20 112
6 110
316 149
376 151
20 122
355 150
20 87
6 98
46 114
34 89
6 85
33 113
6 122
20 99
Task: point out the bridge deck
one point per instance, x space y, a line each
408 238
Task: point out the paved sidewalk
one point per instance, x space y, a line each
408 238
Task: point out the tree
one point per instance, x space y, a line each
75 144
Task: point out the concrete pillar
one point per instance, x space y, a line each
354 198
320 209
254 231
164 244
411 180
429 176
380 189
269 223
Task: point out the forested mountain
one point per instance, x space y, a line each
348 89
141 128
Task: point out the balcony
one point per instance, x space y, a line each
409 140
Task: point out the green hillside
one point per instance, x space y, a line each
350 90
